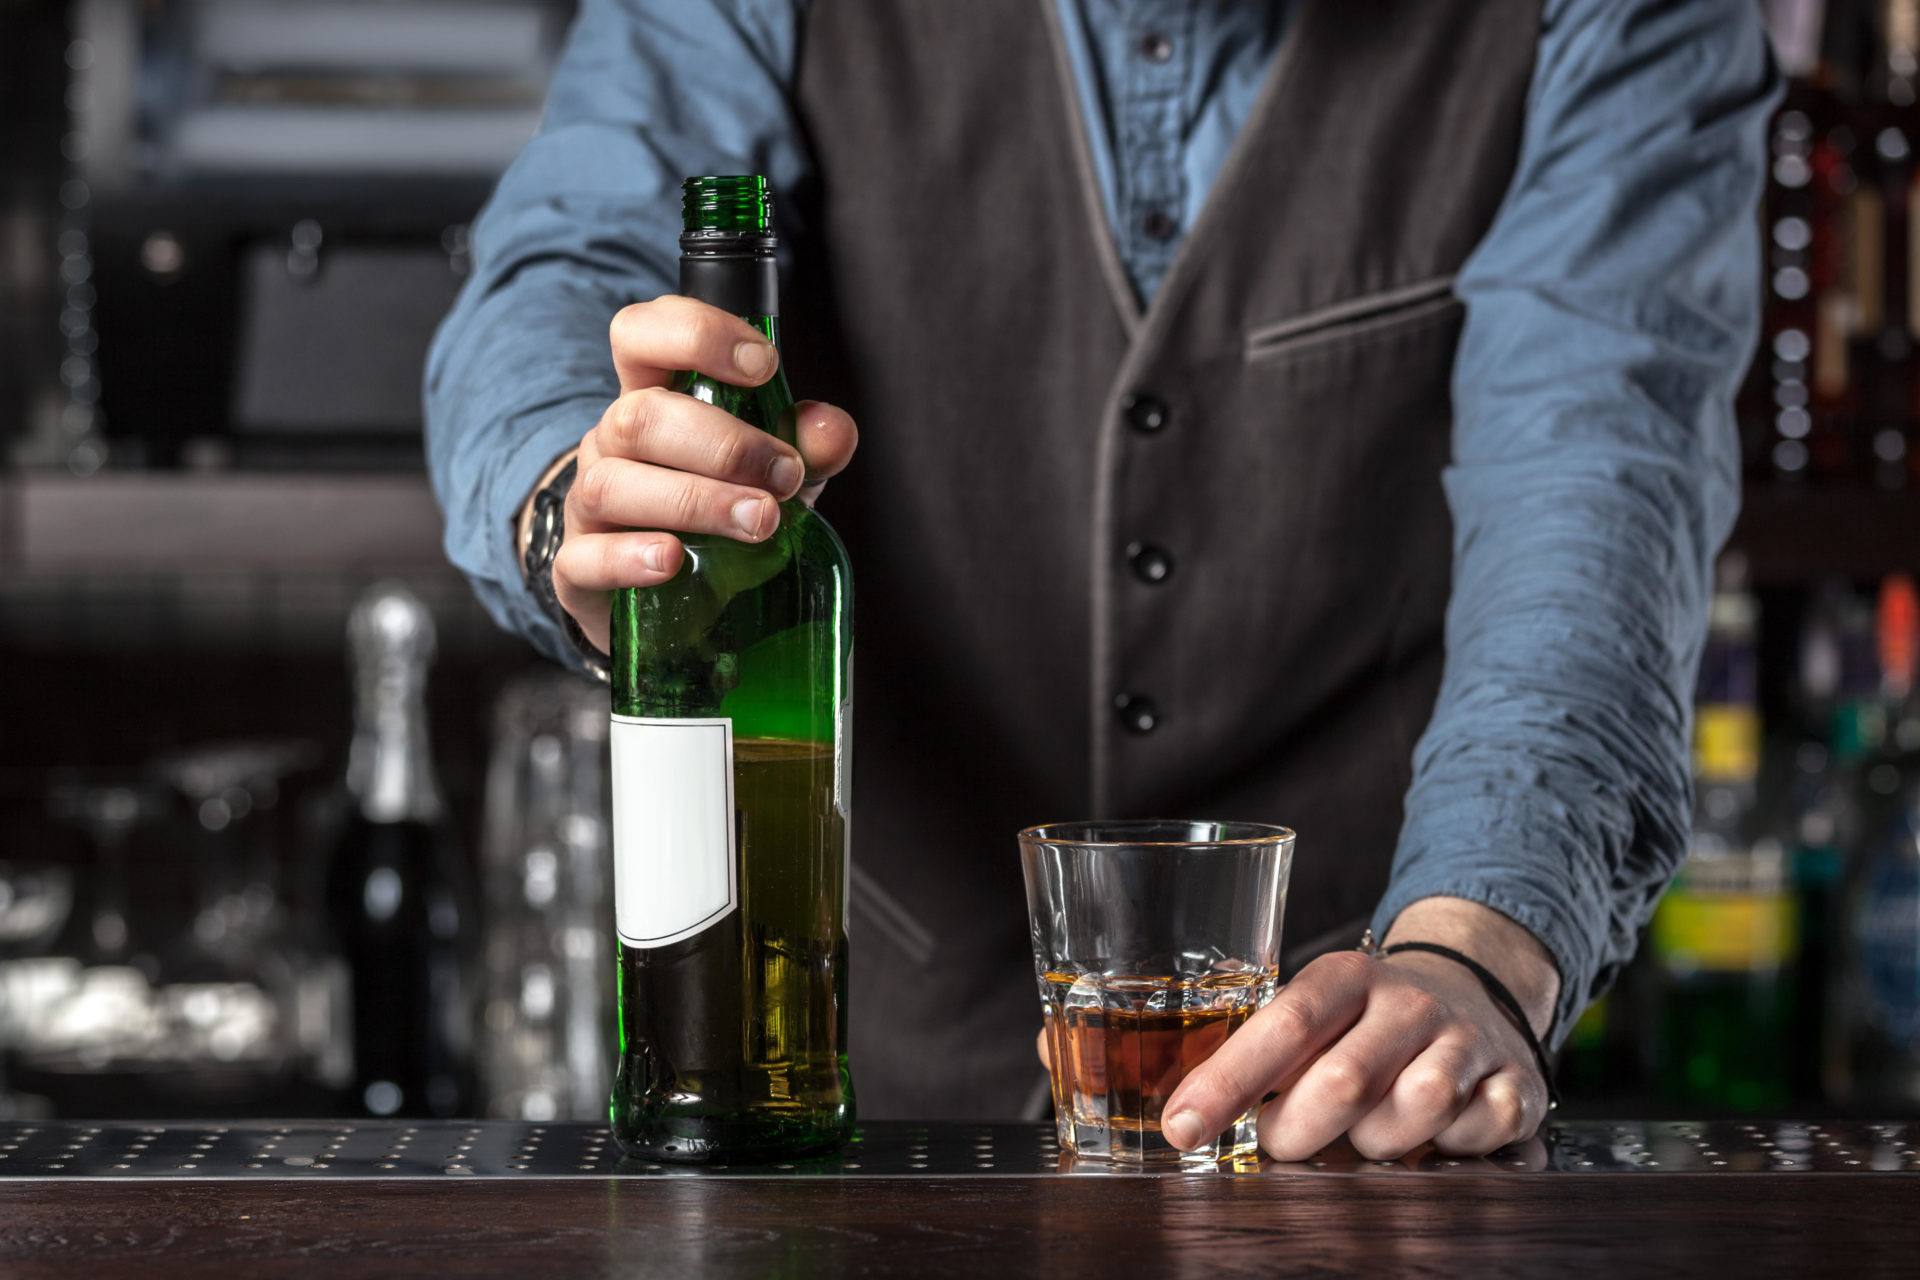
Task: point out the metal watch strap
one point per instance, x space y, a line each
546 532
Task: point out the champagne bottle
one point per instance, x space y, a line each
731 697
396 895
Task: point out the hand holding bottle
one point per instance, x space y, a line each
661 460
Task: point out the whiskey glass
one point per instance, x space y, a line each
1153 941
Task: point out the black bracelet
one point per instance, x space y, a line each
1495 988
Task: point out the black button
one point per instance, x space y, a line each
1136 713
1144 412
1159 225
1155 47
1149 563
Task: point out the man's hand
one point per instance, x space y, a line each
1392 1053
659 460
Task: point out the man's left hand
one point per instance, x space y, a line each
1391 1052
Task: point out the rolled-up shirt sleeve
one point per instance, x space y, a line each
586 221
1610 312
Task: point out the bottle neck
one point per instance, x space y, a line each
1900 51
738 274
390 768
735 273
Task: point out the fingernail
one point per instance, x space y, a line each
747 513
653 557
785 475
1182 1129
754 359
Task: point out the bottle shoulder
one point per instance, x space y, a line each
815 537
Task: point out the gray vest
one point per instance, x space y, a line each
1275 422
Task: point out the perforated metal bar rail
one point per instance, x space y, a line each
319 1150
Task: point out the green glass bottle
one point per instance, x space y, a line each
731 706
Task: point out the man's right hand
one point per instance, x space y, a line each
660 460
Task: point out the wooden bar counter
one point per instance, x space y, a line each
497 1198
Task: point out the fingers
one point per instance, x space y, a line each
1309 1013
588 566
1345 1084
1429 1095
615 493
1040 1044
653 340
609 561
827 438
657 426
1508 1106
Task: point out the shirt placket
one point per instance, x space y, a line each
1158 58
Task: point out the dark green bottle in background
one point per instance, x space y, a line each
731 712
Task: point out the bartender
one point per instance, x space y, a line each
1287 410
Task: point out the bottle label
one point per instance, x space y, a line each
1726 743
674 869
1723 932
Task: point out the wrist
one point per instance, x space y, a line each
1506 948
523 519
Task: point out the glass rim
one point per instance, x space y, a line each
1112 833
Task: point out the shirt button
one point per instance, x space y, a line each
1155 47
1136 712
1159 225
1148 562
1144 413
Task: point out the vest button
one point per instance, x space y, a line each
1136 712
1148 562
1159 225
1144 412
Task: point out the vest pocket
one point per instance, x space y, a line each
1361 317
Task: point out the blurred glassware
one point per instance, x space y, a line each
546 1047
86 1003
34 904
228 988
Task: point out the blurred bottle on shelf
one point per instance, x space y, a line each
1885 900
1889 118
1841 723
1726 713
397 897
1835 392
1723 938
1800 400
547 1043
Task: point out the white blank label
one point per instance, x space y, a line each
673 852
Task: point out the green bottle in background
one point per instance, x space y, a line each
731 705
1725 935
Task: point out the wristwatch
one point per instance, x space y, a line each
545 532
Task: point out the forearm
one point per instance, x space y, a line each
515 379
585 222
1610 311
1551 785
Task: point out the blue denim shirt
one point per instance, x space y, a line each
1610 311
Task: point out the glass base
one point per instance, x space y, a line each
1144 1144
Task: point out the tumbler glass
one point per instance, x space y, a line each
1152 942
